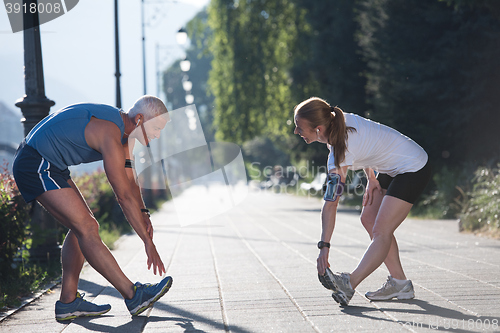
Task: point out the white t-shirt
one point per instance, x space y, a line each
379 147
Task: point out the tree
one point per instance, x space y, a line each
271 55
334 60
254 43
433 74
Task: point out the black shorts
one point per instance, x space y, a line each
406 186
35 175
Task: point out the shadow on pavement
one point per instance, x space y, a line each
450 319
134 325
185 319
93 289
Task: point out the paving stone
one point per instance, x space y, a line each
253 269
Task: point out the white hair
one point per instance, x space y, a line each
149 106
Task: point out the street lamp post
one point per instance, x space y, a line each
185 67
163 53
35 106
143 29
181 36
117 60
147 182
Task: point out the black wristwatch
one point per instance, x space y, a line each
322 244
145 210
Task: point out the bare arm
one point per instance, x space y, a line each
370 174
136 190
105 137
372 185
328 218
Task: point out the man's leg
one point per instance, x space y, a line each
72 259
67 207
368 217
72 262
392 212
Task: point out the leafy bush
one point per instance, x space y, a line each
14 213
17 278
472 196
445 199
482 210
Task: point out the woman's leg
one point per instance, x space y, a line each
392 212
368 217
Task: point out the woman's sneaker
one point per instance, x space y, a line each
146 294
344 291
340 284
79 308
391 289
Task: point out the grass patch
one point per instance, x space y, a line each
24 279
109 237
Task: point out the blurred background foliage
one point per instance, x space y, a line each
428 68
101 200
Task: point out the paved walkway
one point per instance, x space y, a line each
253 270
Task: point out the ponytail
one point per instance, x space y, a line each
318 112
339 132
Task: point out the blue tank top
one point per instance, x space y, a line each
60 137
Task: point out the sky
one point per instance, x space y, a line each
78 51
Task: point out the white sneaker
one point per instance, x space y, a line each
391 289
342 292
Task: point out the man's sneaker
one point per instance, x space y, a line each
146 294
391 289
79 308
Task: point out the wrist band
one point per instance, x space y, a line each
322 244
129 164
145 210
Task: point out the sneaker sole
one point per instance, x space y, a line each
399 296
81 314
340 297
162 292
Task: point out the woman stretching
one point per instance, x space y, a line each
397 170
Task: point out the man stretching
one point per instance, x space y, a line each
84 133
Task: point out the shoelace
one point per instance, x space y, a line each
146 286
387 284
78 295
345 279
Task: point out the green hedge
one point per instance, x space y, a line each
481 210
468 193
15 277
13 214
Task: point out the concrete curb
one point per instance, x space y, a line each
29 299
